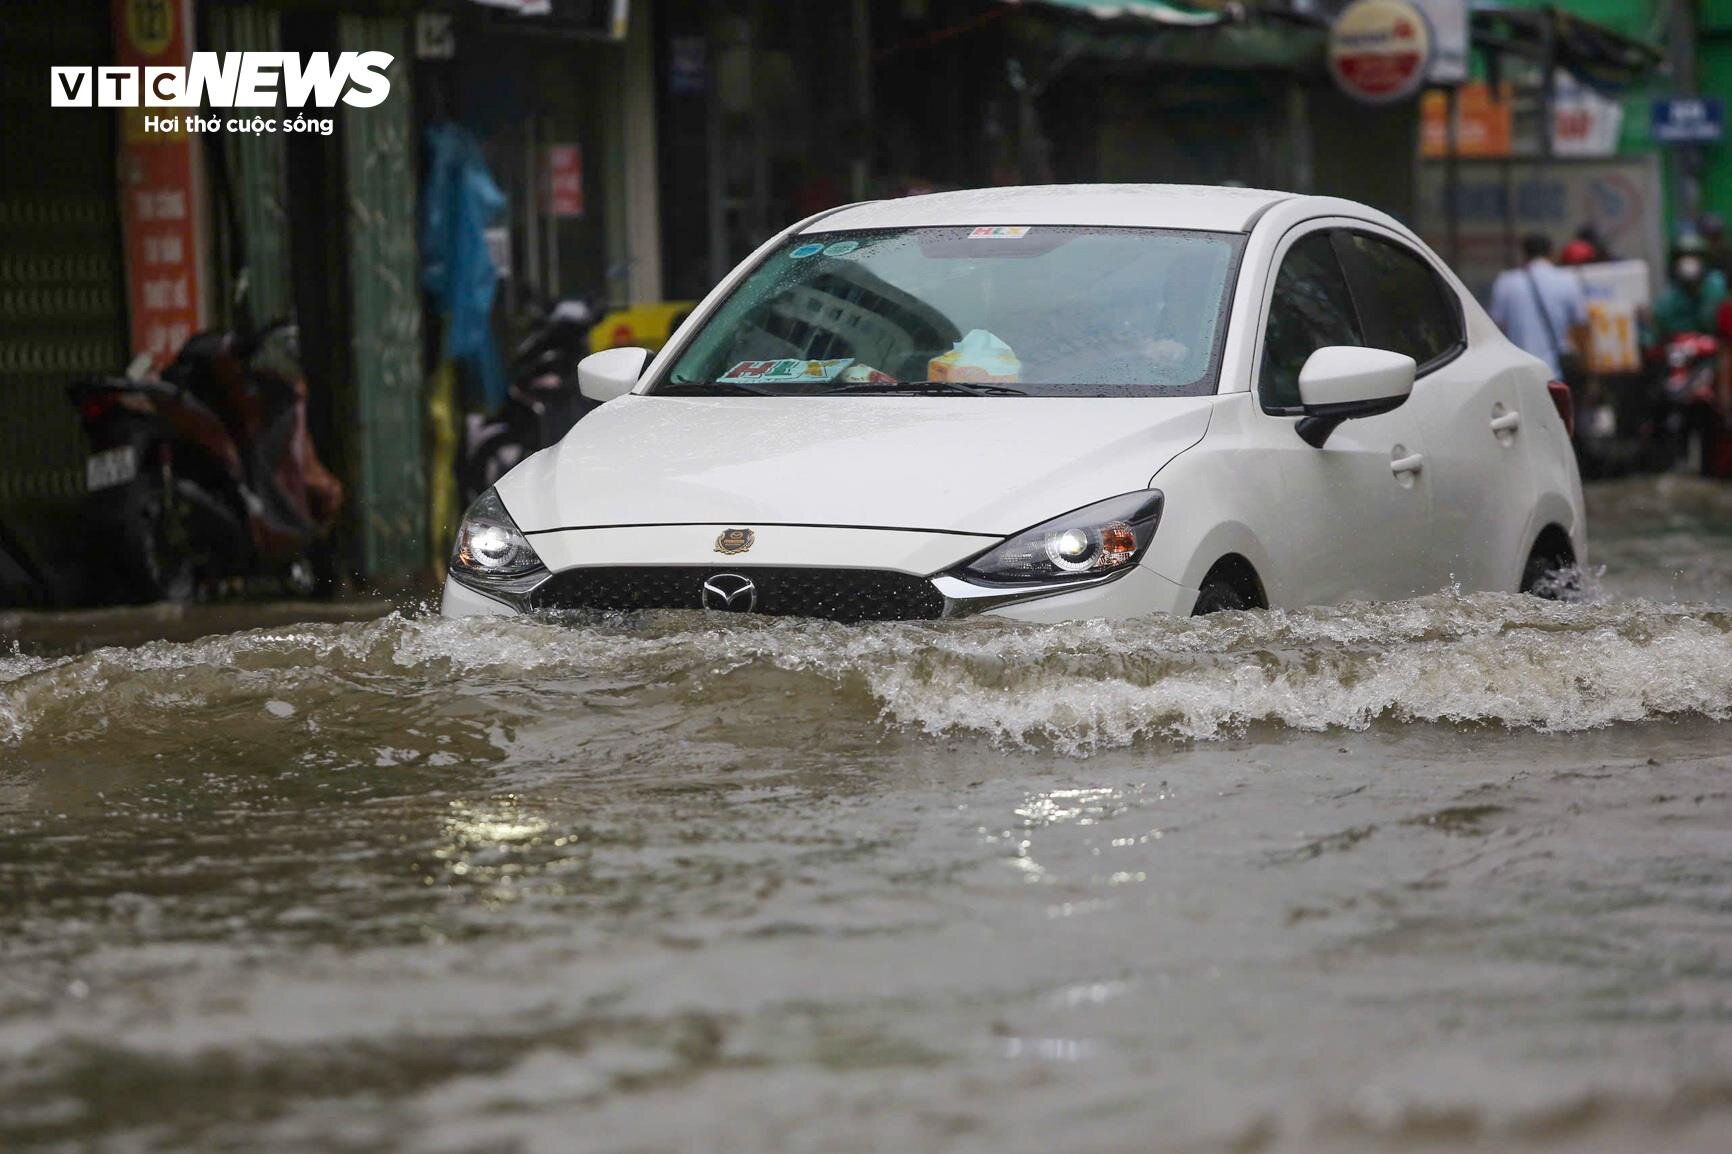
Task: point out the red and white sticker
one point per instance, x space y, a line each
999 232
784 370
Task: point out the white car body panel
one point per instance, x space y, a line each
938 463
917 484
1249 490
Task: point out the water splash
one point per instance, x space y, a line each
1483 659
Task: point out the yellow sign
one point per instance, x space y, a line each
1612 338
150 25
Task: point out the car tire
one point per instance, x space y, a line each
1551 572
1217 596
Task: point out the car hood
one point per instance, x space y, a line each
986 465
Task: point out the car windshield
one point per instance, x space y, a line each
989 310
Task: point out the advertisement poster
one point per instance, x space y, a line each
1499 202
1483 117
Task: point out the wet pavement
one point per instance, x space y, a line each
1448 874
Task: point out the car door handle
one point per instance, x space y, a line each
1411 463
1506 423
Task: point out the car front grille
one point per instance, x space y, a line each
836 594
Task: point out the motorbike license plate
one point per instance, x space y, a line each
111 467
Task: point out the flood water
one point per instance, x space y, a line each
1447 874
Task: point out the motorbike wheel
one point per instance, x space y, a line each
157 557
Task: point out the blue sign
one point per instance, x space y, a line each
1689 120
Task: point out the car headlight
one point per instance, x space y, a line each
491 552
1084 544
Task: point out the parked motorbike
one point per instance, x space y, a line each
1693 421
542 405
208 472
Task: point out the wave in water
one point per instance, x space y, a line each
1466 660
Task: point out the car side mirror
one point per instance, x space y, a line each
1343 382
611 373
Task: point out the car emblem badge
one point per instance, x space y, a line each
730 593
735 541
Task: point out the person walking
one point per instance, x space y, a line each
1543 309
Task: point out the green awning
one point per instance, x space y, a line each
1595 54
1158 11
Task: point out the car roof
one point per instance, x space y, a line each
1210 208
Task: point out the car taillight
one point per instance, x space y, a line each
1566 403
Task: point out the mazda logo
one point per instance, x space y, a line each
730 593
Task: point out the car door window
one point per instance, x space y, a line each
1312 308
1403 303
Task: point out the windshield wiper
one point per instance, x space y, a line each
710 389
930 389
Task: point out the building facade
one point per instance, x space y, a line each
640 148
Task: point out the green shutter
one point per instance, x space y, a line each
387 403
256 168
62 304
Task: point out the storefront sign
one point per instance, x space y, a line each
1380 50
161 206
602 19
1584 123
1482 122
1448 20
564 180
1689 120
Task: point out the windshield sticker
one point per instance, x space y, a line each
842 248
805 251
999 232
761 372
864 374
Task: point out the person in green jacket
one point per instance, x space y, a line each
1694 294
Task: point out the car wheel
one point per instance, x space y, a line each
1217 596
1551 570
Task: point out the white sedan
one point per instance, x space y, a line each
1050 403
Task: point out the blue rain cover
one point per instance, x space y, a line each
458 204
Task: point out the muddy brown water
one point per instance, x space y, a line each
1454 873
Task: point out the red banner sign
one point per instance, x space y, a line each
161 206
564 180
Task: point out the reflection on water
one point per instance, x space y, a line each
1449 873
